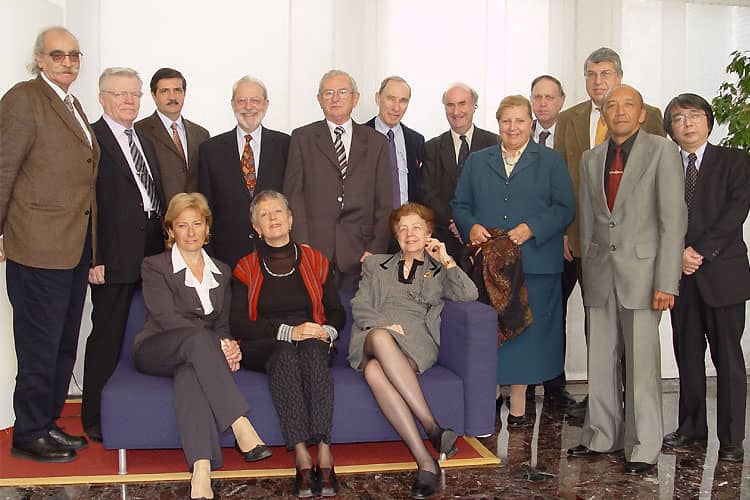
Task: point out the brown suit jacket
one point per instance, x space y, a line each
572 138
313 184
176 176
47 177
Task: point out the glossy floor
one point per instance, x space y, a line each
534 465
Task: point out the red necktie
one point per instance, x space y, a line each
248 165
615 175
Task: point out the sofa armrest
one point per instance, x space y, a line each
468 347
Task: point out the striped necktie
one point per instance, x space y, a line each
177 141
143 174
338 146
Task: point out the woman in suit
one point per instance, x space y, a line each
186 337
396 332
525 190
287 313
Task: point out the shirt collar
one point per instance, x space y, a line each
60 92
347 126
469 134
209 269
626 146
255 134
167 121
699 153
116 128
381 127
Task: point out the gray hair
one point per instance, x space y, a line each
266 195
604 54
460 85
117 71
250 79
33 67
393 78
337 72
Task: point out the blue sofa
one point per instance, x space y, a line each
138 409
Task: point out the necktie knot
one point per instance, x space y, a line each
339 131
248 138
692 157
390 134
462 137
543 135
174 126
129 133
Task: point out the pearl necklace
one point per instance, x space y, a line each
283 275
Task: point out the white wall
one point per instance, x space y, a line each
496 46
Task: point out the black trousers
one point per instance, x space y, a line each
693 324
301 386
207 400
47 308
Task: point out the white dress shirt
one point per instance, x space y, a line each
346 137
62 95
402 165
167 121
538 129
457 140
207 282
698 153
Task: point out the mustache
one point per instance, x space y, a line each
172 101
62 70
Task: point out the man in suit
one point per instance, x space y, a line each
444 156
406 146
579 129
130 203
716 279
237 164
48 164
338 180
175 139
633 220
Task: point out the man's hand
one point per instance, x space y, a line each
520 234
96 275
691 261
662 301
478 234
567 249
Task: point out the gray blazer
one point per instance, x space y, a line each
171 305
638 246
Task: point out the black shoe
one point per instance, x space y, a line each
426 483
303 483
258 453
638 468
94 433
444 441
67 440
731 453
582 451
521 421
326 483
560 399
676 440
43 449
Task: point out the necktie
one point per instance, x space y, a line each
69 104
143 174
615 176
543 137
394 169
338 146
691 174
601 131
248 165
463 152
177 141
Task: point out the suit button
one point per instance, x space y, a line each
505 200
89 160
505 217
340 199
611 224
612 248
87 212
507 183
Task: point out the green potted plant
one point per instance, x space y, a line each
732 105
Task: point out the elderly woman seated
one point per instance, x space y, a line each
287 312
186 337
396 332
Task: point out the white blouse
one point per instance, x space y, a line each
203 286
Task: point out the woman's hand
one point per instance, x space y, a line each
478 234
309 330
520 234
232 353
437 251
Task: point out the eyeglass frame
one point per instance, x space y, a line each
682 119
123 93
58 56
342 93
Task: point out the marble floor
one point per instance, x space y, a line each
534 465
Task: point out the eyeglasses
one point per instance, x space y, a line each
244 101
690 117
343 93
58 56
121 95
591 75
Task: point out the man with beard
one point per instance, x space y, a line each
237 164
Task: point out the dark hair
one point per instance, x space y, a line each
550 78
688 101
163 73
424 212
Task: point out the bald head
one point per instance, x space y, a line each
623 111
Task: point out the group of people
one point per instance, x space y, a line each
593 195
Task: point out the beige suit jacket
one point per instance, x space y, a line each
176 176
47 178
572 138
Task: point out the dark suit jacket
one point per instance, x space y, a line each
171 305
47 177
720 206
221 180
414 156
572 138
314 187
120 225
176 176
439 176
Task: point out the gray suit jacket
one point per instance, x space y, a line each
638 246
171 305
176 176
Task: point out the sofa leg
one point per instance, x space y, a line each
122 461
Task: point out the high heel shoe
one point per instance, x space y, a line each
426 483
444 441
521 421
258 453
326 482
303 482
